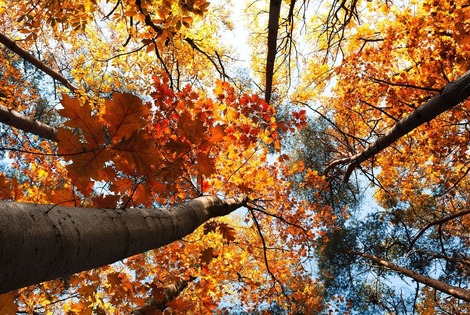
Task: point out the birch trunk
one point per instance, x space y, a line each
44 242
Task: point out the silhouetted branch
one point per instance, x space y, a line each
10 44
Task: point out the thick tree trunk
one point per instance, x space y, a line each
44 242
457 292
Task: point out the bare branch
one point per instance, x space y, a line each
437 222
10 44
456 292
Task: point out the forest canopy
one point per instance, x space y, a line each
225 157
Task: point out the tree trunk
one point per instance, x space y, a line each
273 27
44 242
456 292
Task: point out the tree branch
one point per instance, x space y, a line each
456 292
10 44
438 222
451 95
44 242
17 120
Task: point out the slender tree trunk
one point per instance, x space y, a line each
273 27
456 292
44 242
451 95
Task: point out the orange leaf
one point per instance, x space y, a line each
192 129
80 116
86 163
124 114
7 304
136 153
108 202
8 188
64 197
87 290
217 134
205 165
180 305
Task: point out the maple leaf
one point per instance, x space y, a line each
205 165
87 290
108 201
217 134
192 129
124 114
64 197
136 153
207 255
180 305
8 188
114 279
80 116
85 163
228 233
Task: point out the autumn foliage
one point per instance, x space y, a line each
150 106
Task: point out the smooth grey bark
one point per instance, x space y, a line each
451 95
44 242
456 292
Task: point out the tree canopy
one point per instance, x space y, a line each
326 174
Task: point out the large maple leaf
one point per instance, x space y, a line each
80 116
124 114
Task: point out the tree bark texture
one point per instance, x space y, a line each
456 292
44 242
451 95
